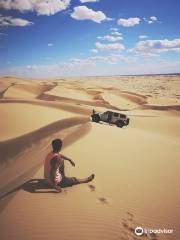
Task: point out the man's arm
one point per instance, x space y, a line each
68 159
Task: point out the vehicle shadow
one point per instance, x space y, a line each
104 123
109 124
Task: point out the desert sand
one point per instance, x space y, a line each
136 168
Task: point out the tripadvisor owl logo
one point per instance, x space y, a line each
139 231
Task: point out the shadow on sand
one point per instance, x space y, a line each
38 186
33 186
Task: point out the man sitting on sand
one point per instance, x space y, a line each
54 168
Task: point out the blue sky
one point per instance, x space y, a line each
89 37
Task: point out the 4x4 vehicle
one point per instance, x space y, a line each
110 117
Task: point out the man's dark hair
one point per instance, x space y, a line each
56 145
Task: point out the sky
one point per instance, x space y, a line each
48 39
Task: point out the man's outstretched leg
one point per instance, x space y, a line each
84 180
70 181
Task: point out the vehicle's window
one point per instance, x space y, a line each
108 112
122 116
116 114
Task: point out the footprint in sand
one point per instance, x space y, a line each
103 200
130 216
124 223
100 199
65 191
92 187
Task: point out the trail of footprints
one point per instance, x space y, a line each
128 224
102 200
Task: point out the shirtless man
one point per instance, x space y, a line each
54 168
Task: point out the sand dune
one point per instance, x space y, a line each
26 140
168 125
136 167
4 88
160 107
134 97
120 102
26 91
57 105
26 118
73 93
99 102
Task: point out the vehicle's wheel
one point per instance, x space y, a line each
95 118
120 123
127 122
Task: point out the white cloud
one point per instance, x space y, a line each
6 21
96 65
151 20
114 29
130 22
92 61
147 55
50 44
110 59
41 7
157 46
109 47
116 33
21 5
85 13
80 63
111 38
94 50
143 36
85 1
73 67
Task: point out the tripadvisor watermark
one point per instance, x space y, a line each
139 231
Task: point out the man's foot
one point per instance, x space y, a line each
90 178
85 180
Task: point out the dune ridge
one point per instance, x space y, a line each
161 108
58 105
17 144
